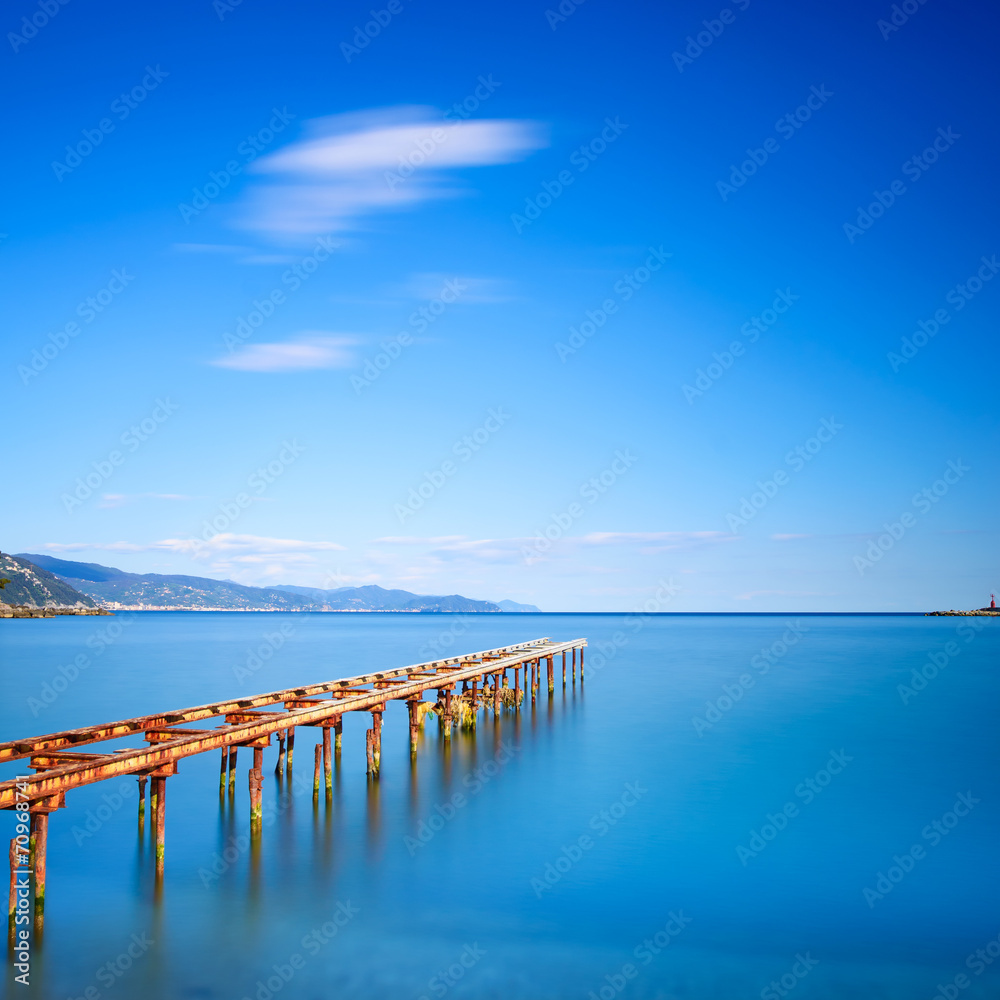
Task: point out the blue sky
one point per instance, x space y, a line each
601 309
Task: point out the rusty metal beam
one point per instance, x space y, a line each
161 756
16 749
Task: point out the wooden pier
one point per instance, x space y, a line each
465 685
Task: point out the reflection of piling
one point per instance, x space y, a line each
252 727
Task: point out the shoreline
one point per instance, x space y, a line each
24 611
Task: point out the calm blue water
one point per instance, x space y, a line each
677 801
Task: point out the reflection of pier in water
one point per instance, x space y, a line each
465 686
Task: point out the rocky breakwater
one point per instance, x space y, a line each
984 612
26 611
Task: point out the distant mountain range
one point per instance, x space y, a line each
118 590
31 586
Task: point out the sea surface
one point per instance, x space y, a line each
726 807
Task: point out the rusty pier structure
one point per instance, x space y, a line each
494 680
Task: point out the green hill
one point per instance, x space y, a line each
34 587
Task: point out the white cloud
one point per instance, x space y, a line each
307 352
351 165
751 594
120 499
232 546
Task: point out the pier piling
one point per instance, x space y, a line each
60 766
158 794
327 764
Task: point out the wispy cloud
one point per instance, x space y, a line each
227 544
651 542
227 248
245 558
751 594
120 499
351 165
306 352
